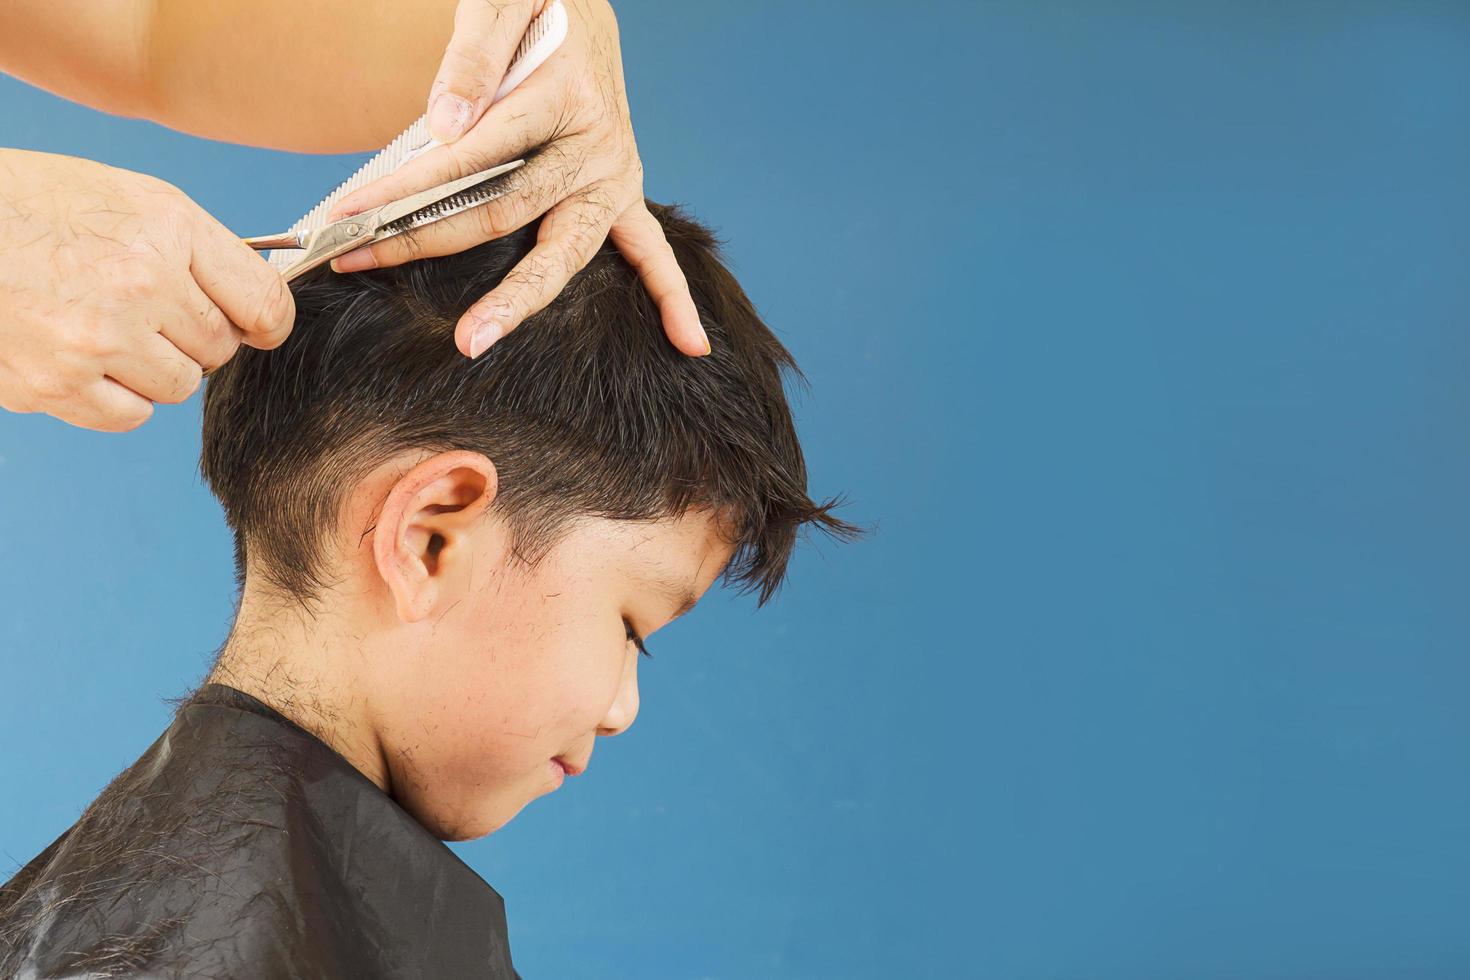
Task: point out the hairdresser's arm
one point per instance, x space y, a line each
344 75
327 76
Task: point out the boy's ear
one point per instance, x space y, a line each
422 540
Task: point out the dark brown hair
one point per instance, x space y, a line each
585 409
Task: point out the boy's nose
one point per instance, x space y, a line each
625 708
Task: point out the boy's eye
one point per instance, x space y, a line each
637 640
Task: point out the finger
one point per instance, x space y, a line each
521 120
641 240
550 177
246 288
202 331
570 234
486 35
156 370
107 406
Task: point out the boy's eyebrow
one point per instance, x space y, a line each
666 587
676 592
679 594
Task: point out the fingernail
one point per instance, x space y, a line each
355 261
707 347
447 117
487 333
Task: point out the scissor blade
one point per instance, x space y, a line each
391 212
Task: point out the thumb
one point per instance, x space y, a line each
486 36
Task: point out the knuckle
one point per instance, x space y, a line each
589 228
465 62
134 280
469 49
185 380
193 376
540 279
177 218
78 336
529 276
220 354
494 220
566 261
580 246
602 208
127 419
170 194
277 307
217 327
51 385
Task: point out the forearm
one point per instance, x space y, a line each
323 76
90 52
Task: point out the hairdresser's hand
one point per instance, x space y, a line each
588 181
117 291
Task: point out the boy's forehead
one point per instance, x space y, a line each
677 557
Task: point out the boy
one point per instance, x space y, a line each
447 572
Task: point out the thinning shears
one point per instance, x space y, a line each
394 218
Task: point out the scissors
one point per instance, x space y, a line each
386 220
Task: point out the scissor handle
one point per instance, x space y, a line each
290 239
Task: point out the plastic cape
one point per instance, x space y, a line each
242 846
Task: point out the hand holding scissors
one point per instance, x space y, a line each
385 221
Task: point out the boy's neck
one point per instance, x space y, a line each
306 679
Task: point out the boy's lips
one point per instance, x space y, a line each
571 770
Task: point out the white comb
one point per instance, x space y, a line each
544 35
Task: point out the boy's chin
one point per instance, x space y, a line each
463 823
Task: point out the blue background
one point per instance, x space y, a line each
1139 329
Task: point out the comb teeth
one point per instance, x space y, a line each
543 36
408 144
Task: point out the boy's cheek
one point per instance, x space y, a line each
469 784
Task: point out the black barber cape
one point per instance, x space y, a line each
242 846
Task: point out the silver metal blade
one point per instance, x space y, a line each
439 196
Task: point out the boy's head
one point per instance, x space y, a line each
447 558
